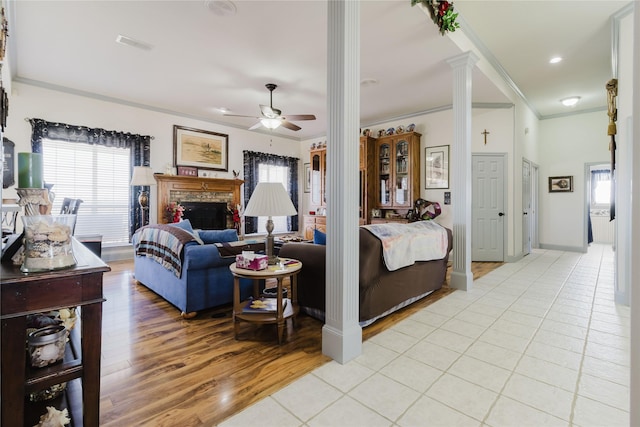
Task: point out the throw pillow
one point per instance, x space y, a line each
185 224
319 238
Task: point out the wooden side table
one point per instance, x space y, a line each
286 268
24 294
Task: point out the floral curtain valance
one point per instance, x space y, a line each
139 146
72 133
252 162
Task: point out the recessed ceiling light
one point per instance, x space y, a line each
133 42
571 101
368 82
223 110
221 7
555 60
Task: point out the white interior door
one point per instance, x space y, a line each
533 212
487 213
526 207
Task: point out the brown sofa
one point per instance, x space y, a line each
381 291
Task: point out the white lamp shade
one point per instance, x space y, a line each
270 199
142 175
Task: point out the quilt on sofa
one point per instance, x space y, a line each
164 244
404 244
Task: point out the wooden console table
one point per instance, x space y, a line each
23 294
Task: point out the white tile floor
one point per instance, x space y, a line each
537 342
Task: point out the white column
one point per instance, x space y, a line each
341 334
635 228
461 276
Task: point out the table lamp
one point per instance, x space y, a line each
270 199
143 176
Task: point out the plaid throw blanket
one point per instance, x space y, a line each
404 244
164 244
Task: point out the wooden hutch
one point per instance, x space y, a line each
389 180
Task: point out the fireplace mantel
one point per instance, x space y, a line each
174 188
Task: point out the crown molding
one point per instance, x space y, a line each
91 95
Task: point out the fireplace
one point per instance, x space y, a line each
205 199
206 215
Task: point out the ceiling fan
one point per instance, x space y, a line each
272 118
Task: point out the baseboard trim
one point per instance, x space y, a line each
579 249
117 253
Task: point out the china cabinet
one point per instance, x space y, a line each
318 177
313 222
397 172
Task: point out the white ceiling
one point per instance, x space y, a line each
200 61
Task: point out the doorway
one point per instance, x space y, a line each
529 206
487 207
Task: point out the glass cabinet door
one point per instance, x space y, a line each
402 178
384 166
316 185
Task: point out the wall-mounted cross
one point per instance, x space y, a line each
485 133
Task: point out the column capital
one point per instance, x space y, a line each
466 59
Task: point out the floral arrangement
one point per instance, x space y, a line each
175 211
442 14
234 213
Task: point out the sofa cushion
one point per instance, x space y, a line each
185 224
219 236
319 238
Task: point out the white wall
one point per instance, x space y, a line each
566 144
51 105
437 129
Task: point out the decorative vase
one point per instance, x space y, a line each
47 242
34 200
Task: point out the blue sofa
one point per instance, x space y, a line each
204 280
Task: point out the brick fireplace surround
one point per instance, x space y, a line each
184 189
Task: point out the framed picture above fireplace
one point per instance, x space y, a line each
200 149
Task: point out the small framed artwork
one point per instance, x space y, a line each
307 177
200 149
187 171
436 167
560 184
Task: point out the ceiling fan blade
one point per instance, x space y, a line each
240 115
256 126
270 113
300 117
290 125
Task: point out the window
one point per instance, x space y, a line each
601 188
273 173
97 174
264 167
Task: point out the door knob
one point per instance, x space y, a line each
500 214
525 213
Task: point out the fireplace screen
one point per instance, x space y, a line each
206 215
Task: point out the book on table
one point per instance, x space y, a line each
266 305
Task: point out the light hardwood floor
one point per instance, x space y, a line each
161 370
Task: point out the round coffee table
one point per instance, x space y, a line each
286 268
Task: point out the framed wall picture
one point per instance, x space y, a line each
307 177
200 149
436 167
560 184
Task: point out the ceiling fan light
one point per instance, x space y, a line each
571 101
271 123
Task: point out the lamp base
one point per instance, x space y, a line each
272 258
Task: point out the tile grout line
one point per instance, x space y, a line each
513 371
